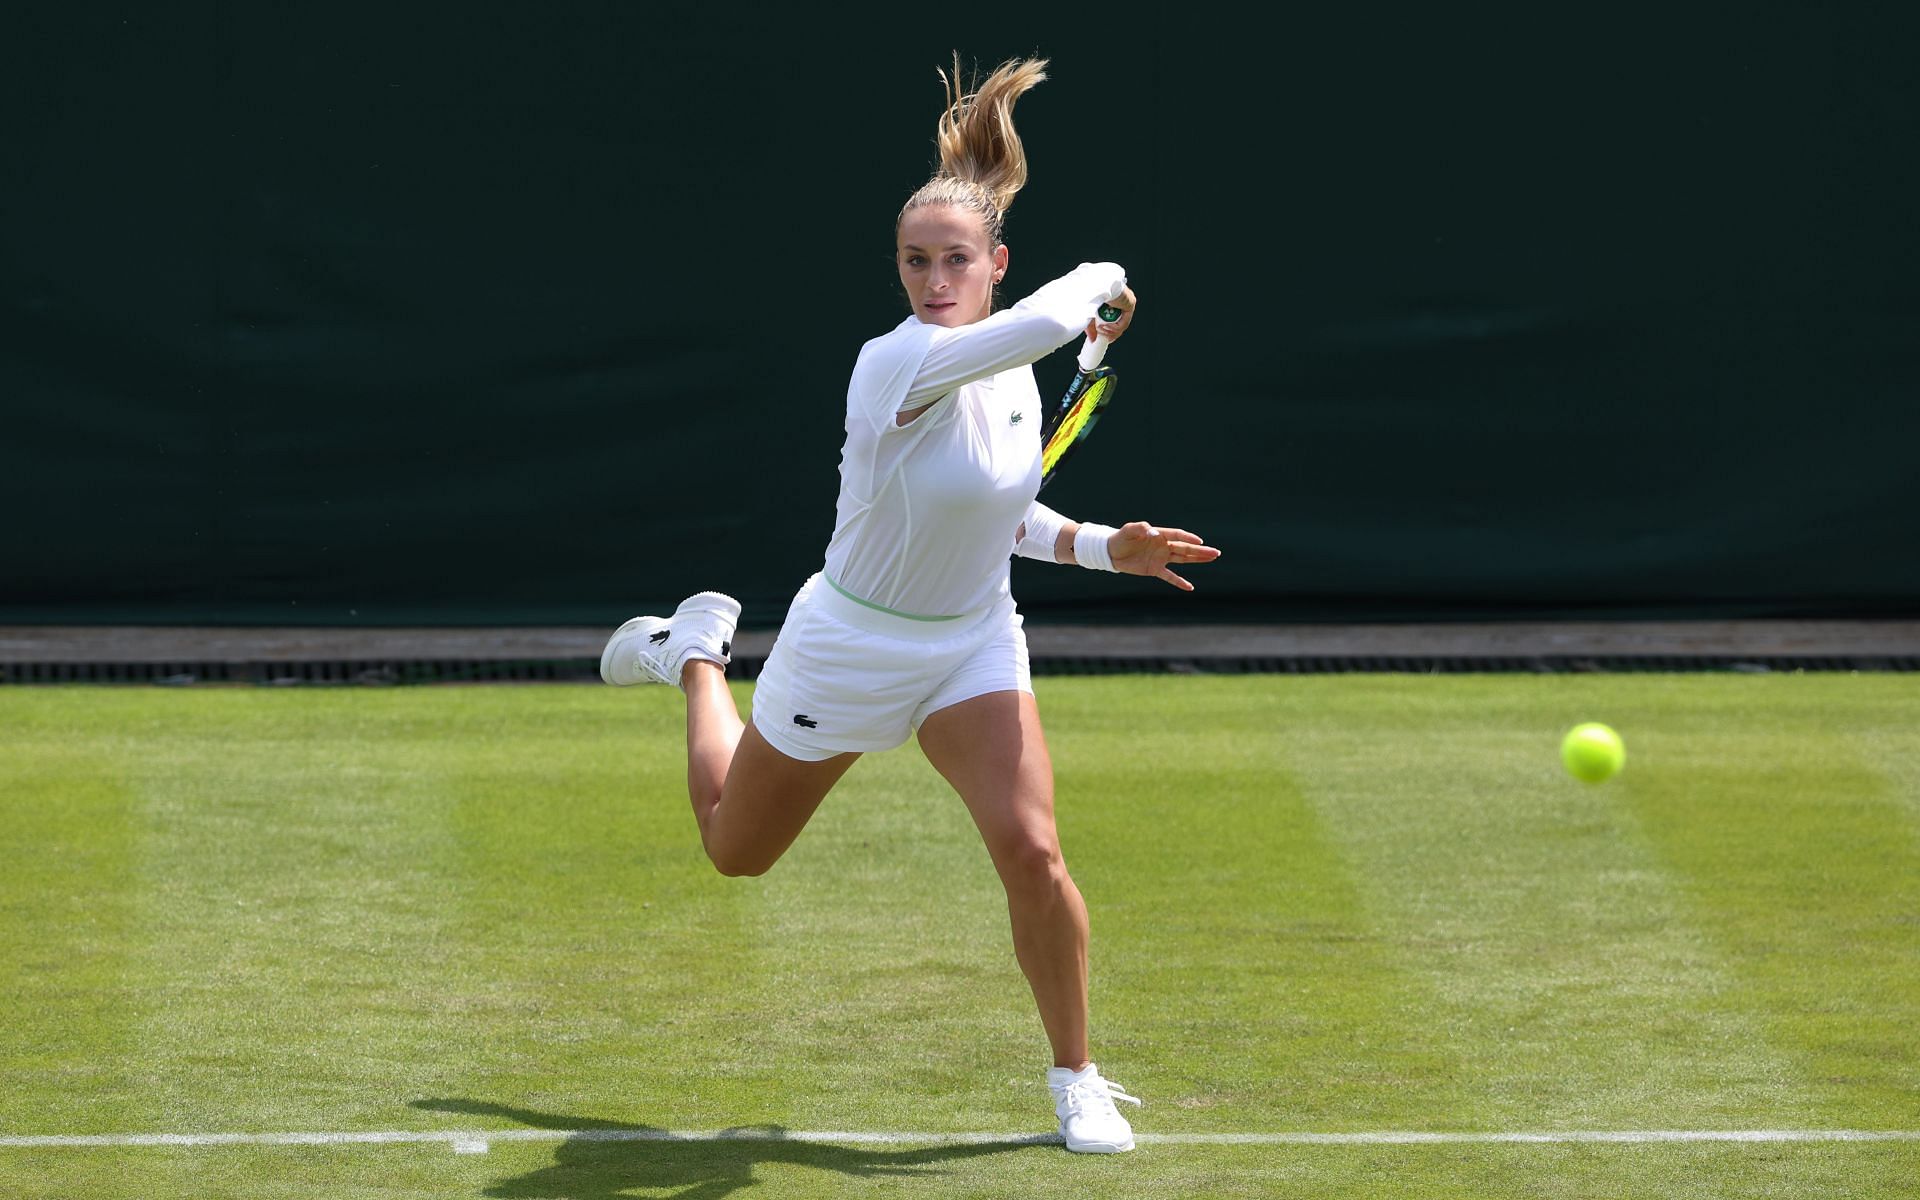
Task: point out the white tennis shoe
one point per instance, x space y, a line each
654 649
1088 1120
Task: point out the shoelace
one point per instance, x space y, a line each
658 665
1095 1093
651 664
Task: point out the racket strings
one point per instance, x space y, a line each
1077 422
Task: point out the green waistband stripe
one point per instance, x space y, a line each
892 612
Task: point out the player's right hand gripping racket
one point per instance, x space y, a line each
1073 418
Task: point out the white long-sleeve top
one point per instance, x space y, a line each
928 510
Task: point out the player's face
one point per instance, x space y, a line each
947 266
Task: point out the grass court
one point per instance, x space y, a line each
1321 905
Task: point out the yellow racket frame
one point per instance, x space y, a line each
1078 421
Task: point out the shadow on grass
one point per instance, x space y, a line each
607 1160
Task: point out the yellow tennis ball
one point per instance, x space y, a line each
1592 752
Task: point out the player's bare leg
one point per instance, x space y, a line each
713 732
751 801
992 751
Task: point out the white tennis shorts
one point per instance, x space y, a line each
845 676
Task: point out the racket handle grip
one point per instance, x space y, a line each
1095 348
1092 352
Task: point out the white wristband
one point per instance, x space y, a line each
1090 546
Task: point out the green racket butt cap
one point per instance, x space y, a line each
1109 313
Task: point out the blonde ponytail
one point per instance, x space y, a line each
982 164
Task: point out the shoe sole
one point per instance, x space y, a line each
724 606
1102 1147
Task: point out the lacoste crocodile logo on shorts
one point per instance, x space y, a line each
1017 418
657 637
805 722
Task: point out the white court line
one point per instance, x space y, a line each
469 1141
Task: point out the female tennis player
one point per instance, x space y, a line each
910 625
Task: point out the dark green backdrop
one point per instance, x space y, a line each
543 313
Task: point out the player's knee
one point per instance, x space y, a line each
1033 865
736 865
736 860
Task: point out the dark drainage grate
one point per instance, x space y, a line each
325 673
378 673
149 673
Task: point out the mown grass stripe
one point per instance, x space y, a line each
1556 965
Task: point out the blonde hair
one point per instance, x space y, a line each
982 164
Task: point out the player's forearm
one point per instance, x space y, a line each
1007 339
1013 337
1050 537
1072 298
1063 543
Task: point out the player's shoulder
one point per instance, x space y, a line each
892 357
909 337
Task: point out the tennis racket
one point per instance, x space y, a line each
1087 396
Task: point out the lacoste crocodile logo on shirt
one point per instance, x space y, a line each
1017 418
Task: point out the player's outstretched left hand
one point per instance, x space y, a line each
1142 549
